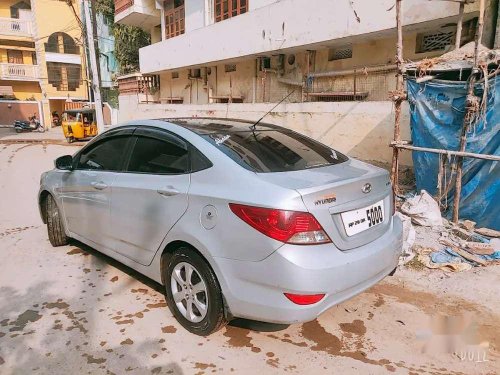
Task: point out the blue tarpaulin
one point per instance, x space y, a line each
437 110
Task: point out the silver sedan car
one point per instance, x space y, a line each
235 220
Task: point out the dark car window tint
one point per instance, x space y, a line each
105 156
158 157
199 161
274 150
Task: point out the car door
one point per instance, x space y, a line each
151 195
86 190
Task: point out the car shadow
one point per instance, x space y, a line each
236 322
125 269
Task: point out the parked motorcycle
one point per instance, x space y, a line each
56 120
33 124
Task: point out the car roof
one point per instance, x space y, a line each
210 125
81 110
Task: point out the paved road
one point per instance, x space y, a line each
70 310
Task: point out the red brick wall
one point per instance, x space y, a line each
11 111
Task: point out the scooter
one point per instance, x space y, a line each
28 126
56 120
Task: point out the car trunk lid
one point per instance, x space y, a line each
332 191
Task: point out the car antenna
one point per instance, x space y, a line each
268 112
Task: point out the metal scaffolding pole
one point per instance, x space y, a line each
468 113
398 98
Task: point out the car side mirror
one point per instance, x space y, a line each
64 163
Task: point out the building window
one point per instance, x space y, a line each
14 56
61 43
230 68
175 75
175 19
64 77
33 58
195 73
225 9
434 41
14 9
265 63
340 53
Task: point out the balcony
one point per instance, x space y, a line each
121 5
19 72
139 13
284 26
16 27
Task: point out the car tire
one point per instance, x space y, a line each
55 228
214 318
18 130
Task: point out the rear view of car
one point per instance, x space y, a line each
340 239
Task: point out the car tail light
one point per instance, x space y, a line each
304 299
294 227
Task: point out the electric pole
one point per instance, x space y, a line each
93 66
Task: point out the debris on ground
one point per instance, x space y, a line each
488 232
443 245
407 253
423 210
446 260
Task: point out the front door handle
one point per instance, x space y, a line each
99 185
168 191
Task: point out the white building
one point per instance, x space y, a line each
334 58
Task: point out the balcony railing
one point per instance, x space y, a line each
136 83
121 5
174 22
16 27
19 72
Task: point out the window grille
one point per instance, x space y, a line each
340 53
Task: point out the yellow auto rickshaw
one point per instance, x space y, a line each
79 124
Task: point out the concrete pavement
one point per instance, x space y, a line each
71 310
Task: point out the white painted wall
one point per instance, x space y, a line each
359 129
256 4
142 13
282 25
195 14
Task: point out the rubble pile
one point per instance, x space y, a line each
460 247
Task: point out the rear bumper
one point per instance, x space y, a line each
254 290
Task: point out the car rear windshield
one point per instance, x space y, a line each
274 150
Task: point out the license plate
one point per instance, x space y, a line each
359 220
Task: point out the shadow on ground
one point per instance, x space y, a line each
237 322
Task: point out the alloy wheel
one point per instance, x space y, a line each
189 292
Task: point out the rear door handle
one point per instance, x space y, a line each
168 191
99 185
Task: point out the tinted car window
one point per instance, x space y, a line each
156 156
105 156
199 161
274 150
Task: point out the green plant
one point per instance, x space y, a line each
128 39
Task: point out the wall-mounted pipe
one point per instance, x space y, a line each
348 72
290 82
285 81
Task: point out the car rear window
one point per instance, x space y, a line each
274 150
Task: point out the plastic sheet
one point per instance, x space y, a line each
437 110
